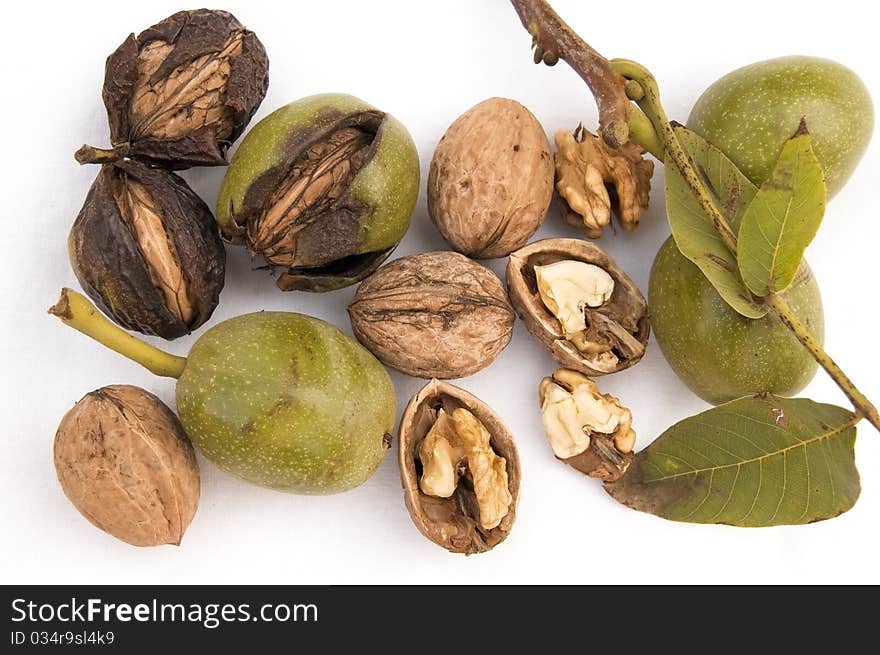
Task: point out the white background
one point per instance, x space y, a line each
425 62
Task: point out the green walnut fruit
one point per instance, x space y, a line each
279 399
718 353
323 188
751 112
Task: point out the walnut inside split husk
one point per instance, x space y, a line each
593 179
125 463
459 468
579 304
181 92
437 314
589 431
322 188
145 248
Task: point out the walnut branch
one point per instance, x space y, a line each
553 39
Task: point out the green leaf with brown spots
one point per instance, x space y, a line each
753 462
694 235
782 218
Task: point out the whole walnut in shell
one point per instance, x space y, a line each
437 314
491 179
125 463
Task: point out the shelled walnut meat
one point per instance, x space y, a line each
436 314
145 248
491 179
459 468
125 463
577 302
589 431
593 179
182 91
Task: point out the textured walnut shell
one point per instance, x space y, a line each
124 462
181 92
627 302
117 261
446 521
433 315
491 179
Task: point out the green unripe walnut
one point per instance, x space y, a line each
282 400
751 112
719 354
287 401
324 188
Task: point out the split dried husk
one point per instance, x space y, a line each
181 92
454 522
146 249
617 331
436 314
125 463
322 188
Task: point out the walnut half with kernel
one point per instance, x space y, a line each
459 468
591 432
577 302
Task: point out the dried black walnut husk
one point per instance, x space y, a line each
181 92
146 249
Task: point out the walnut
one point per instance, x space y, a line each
590 431
456 445
593 178
181 92
459 468
125 463
491 179
578 303
436 314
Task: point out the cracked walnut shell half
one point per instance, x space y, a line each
459 468
577 302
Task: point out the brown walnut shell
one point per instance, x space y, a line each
433 315
626 309
451 522
125 463
491 179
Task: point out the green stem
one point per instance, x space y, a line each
863 406
91 155
642 132
76 311
653 108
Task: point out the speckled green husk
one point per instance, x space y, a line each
751 112
718 353
387 185
287 401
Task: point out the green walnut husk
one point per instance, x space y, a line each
283 400
323 187
752 111
145 248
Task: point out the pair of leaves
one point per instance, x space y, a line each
753 462
774 224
